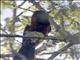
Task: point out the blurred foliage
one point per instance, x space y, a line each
6 4
67 18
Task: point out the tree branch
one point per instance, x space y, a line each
20 36
54 54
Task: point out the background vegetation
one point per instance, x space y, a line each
65 24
